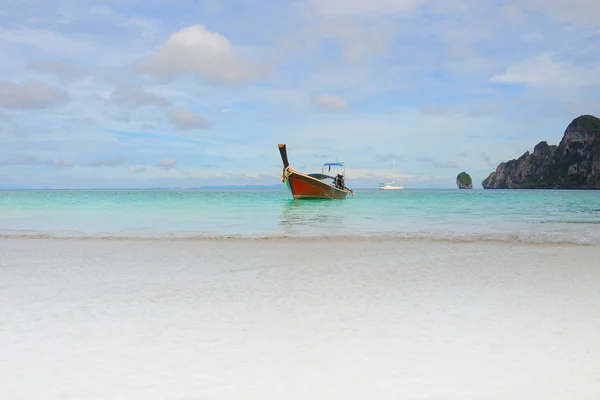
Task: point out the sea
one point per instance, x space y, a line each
561 216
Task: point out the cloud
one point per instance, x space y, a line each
479 109
81 120
206 55
103 12
532 37
61 70
330 102
512 12
349 40
488 160
45 39
166 163
136 170
435 110
385 157
27 160
120 116
360 7
132 95
62 163
438 164
30 161
31 94
580 12
110 162
183 118
545 70
447 164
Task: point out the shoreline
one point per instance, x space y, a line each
524 238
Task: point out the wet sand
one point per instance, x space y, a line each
298 319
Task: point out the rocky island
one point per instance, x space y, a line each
573 164
464 181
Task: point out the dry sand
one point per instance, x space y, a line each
298 319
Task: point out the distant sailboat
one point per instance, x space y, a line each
392 185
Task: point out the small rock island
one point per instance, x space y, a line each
573 164
464 181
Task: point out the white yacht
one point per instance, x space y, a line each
392 185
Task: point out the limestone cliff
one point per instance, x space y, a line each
464 181
573 164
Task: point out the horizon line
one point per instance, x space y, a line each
204 187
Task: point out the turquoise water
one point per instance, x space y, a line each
572 216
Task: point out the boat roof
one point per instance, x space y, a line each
320 176
333 164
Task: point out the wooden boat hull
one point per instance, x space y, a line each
306 187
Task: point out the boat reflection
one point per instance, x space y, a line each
302 216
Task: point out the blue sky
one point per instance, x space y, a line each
156 93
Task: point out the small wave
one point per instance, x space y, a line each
570 238
576 222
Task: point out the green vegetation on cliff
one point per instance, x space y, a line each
465 178
590 123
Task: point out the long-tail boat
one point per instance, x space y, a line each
314 186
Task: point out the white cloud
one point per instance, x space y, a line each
198 52
469 108
66 18
362 7
359 40
435 110
184 118
31 160
27 160
532 37
63 163
166 163
144 27
31 94
385 157
581 12
545 70
81 120
133 95
104 12
61 70
437 164
121 116
513 13
45 39
136 170
330 102
107 162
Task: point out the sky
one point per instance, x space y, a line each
189 93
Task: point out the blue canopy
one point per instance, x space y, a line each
334 164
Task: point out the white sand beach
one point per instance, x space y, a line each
298 319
